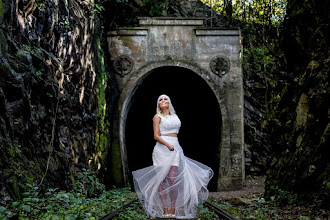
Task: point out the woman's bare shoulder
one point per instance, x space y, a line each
157 117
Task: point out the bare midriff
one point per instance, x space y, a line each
170 134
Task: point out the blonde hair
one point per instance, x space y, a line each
171 108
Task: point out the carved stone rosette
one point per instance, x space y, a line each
220 65
123 65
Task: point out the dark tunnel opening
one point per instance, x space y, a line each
197 108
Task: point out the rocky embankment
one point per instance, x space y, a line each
50 89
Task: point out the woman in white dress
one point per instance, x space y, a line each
175 184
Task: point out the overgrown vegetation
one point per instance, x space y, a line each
87 200
81 203
262 65
47 92
126 13
205 213
261 209
269 12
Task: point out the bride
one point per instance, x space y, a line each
175 184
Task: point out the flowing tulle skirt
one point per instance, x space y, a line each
174 180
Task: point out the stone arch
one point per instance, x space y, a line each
212 54
138 78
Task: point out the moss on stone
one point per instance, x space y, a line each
2 11
29 179
15 189
3 43
19 175
18 171
13 174
116 164
21 52
102 132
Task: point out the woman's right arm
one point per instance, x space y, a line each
156 133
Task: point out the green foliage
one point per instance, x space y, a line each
21 52
64 25
29 49
57 204
128 12
41 5
253 11
87 183
2 11
156 9
272 209
260 209
97 8
260 62
257 58
4 212
32 49
133 212
38 73
14 149
282 197
205 213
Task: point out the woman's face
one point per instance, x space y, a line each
163 102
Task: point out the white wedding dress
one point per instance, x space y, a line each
174 179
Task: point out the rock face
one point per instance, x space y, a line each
300 163
50 92
186 8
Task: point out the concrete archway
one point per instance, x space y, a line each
197 107
187 76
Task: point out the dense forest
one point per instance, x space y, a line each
58 94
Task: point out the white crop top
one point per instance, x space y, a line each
169 124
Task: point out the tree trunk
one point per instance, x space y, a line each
229 9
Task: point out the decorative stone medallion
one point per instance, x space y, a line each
220 65
123 65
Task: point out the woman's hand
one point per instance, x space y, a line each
170 147
156 133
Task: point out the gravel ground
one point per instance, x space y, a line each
254 187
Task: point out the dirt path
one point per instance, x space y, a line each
254 187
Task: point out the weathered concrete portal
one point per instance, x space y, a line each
212 54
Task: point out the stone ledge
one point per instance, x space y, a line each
171 18
216 32
129 32
171 21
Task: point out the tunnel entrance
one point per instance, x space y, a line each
197 108
200 68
